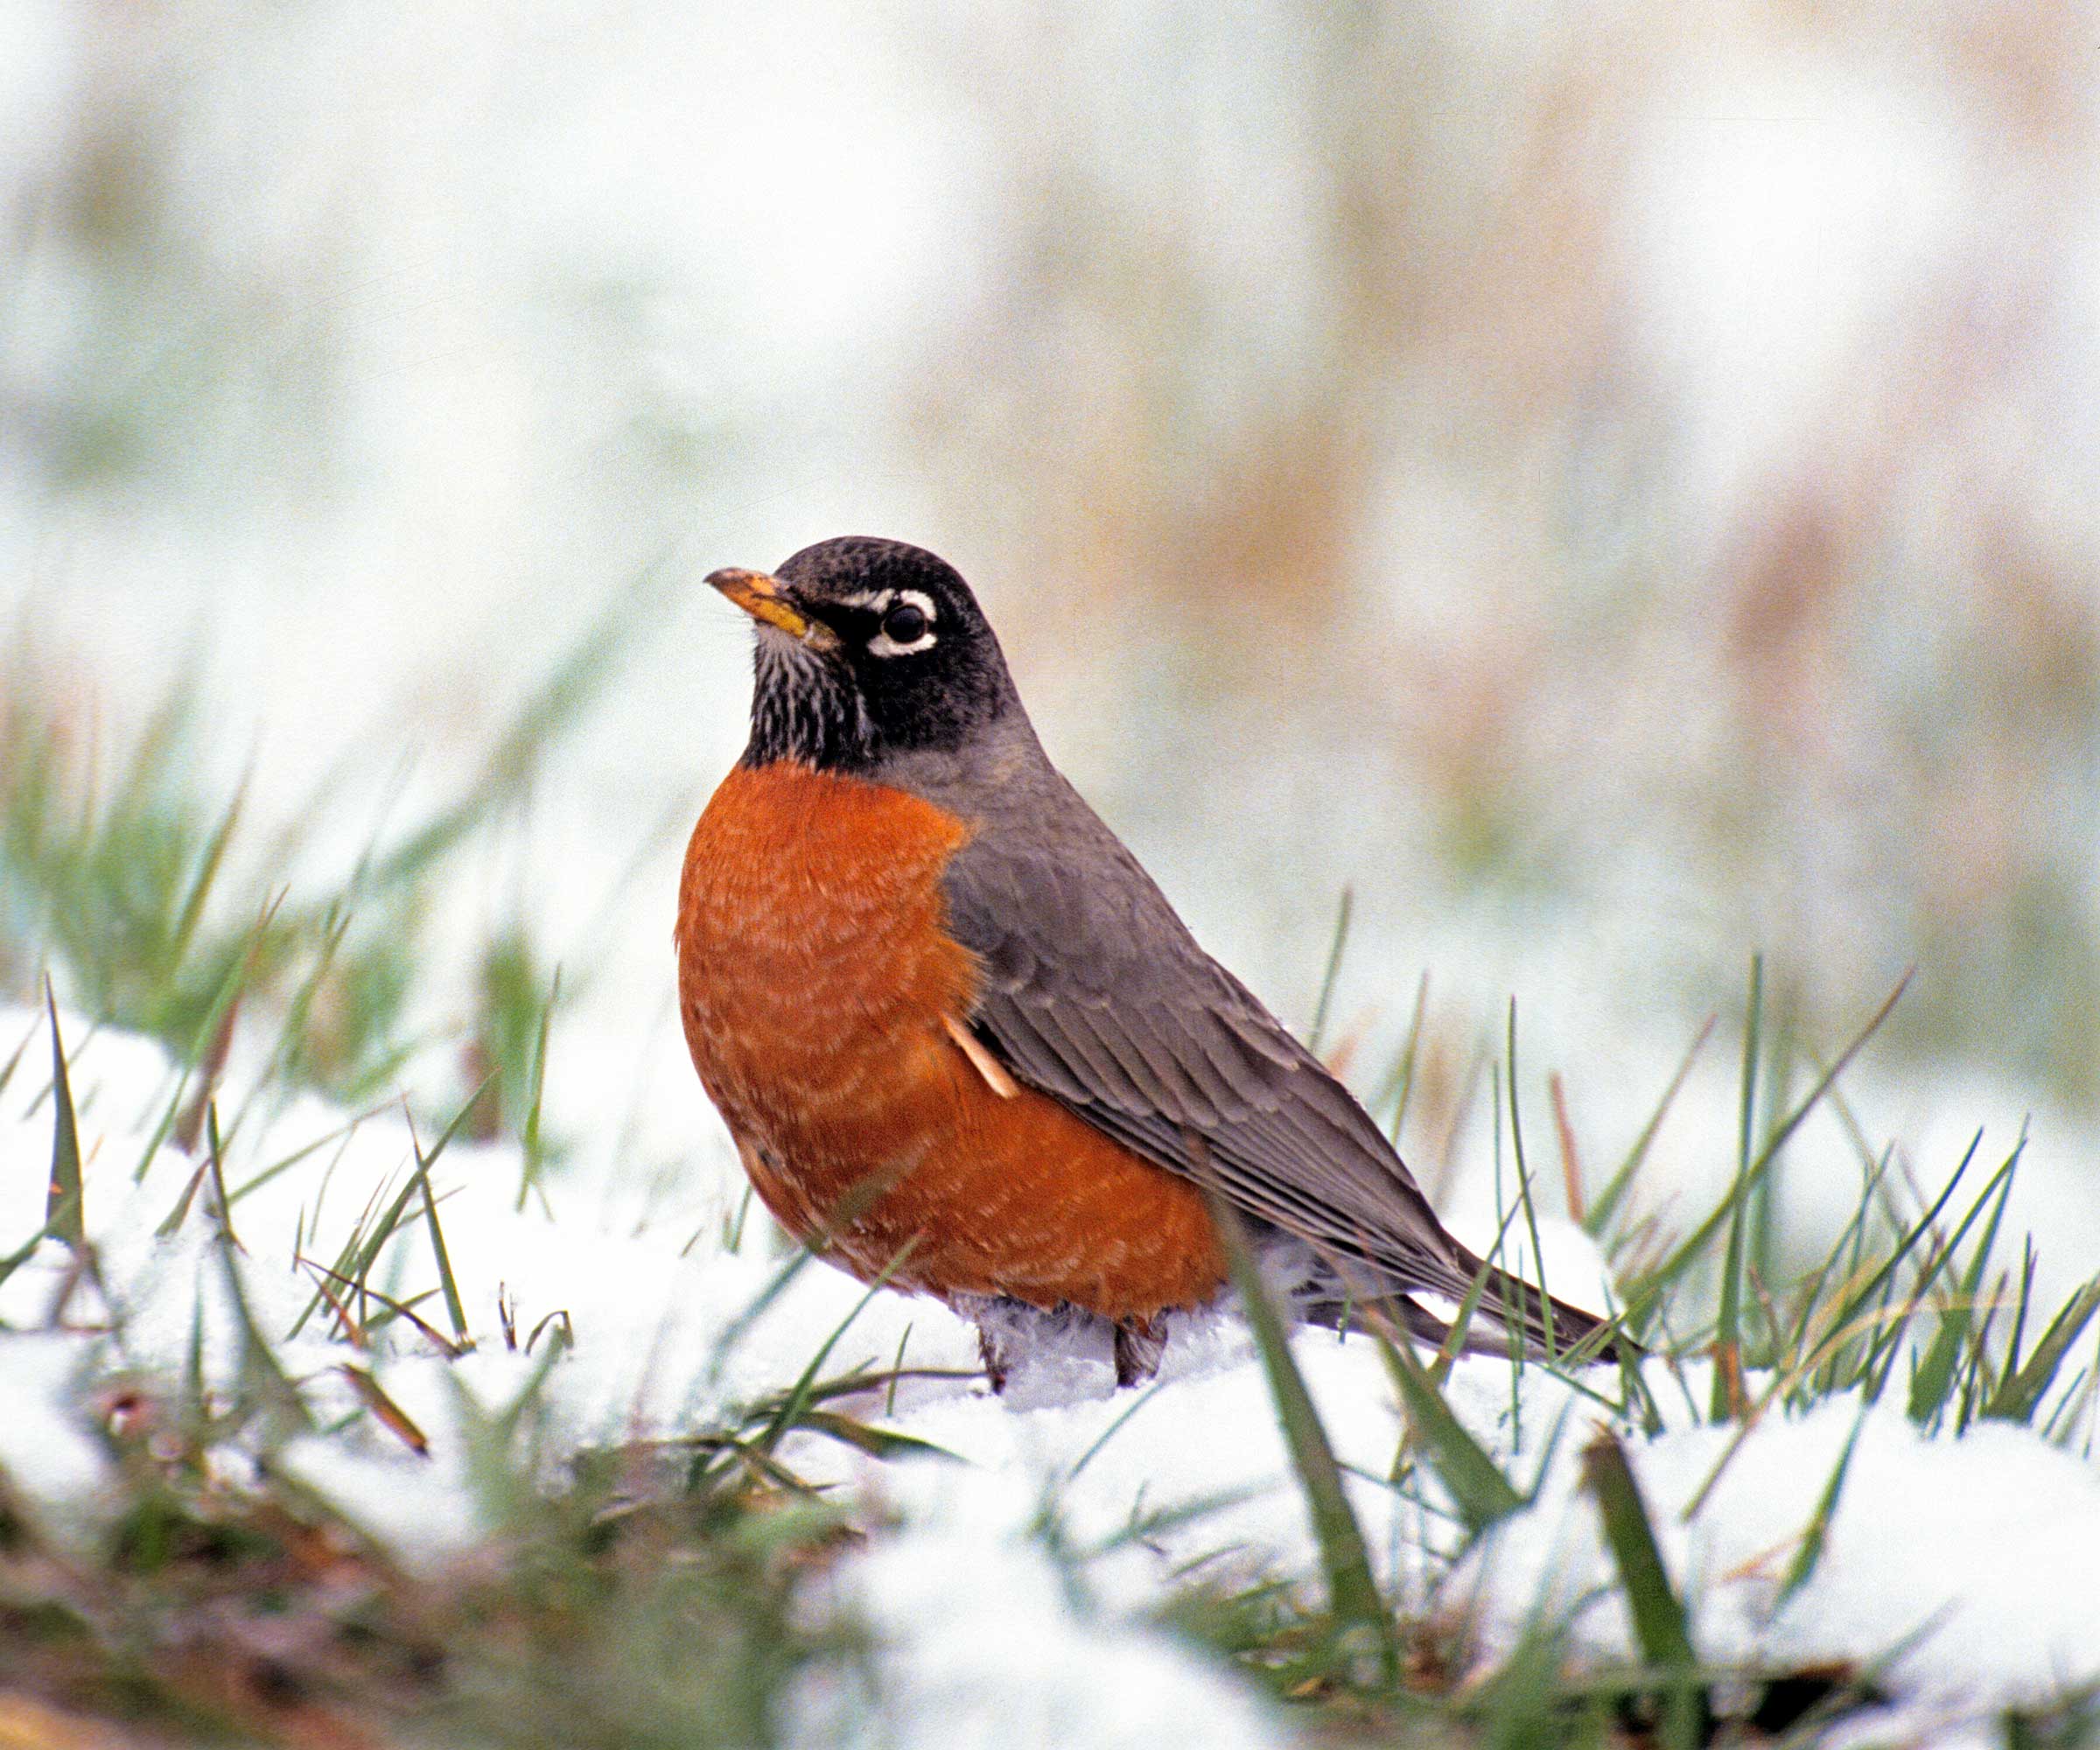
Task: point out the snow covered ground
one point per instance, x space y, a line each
1970 1560
564 317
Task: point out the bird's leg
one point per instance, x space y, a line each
1137 1345
1025 1346
993 1354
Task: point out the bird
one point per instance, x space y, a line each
964 1043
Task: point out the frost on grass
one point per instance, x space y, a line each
1006 1580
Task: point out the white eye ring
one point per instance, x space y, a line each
882 644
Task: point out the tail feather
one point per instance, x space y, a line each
1496 1326
1324 1288
1573 1330
1497 1322
1494 1329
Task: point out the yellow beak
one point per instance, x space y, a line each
766 598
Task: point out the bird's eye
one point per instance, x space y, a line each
905 623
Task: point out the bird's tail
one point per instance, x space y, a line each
1511 1310
1508 1313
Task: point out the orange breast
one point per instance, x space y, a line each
816 974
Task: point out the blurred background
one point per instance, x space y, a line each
1616 489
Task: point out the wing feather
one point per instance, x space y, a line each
1108 1005
1093 991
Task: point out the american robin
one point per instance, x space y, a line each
963 1042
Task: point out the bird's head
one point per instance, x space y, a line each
866 649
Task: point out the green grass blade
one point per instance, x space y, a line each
2016 1399
798 1395
1725 1404
1810 1302
1335 950
225 995
266 1390
65 1207
878 1442
2064 1418
1979 1382
889 1397
1802 1568
1660 1625
1352 1590
1597 1220
191 912
1400 1084
21 1255
1882 1280
1892 1335
215 1162
363 1251
345 1259
1475 1483
733 1237
1461 1321
170 1224
1939 1367
1691 1249
532 1146
1524 1202
7 1069
455 1309
2029 1258
1524 1702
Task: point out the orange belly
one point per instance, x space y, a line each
815 976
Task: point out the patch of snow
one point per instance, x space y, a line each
48 1456
1966 1562
986 1644
1979 1548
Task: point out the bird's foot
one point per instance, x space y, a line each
1137 1345
990 1352
1036 1354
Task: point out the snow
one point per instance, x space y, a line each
986 1647
527 246
1968 1560
1009 1657
46 1457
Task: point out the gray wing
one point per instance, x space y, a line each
1094 992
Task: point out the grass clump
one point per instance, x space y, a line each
604 1611
1918 1302
166 913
